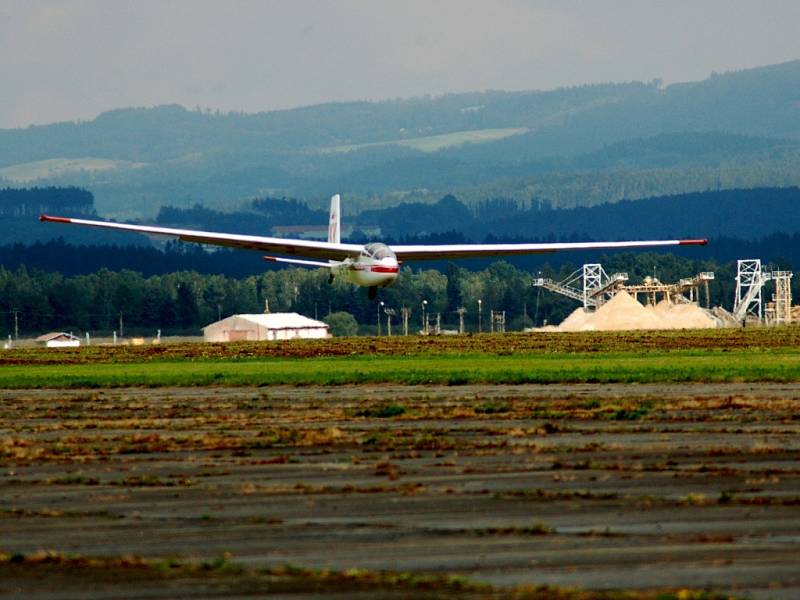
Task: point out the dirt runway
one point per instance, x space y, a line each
593 486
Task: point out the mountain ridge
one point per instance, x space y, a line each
222 160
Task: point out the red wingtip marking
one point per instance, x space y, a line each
270 258
54 219
693 242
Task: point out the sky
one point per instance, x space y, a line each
67 60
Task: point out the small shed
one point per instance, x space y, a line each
58 339
270 326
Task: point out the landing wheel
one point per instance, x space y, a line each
330 278
373 291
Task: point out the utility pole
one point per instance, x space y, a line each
390 312
480 312
380 306
16 323
121 328
406 312
461 310
498 321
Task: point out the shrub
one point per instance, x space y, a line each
342 324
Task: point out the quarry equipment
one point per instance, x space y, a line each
779 311
750 281
596 286
673 292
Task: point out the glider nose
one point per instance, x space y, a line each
385 271
389 265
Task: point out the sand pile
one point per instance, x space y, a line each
683 316
576 321
623 312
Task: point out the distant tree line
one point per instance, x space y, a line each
31 202
21 207
185 301
747 214
261 216
83 259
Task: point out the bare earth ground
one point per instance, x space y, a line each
594 486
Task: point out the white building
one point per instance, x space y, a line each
58 339
270 326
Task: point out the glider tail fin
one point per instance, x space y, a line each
334 221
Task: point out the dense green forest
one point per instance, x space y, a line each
185 301
572 147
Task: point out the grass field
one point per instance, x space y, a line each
55 167
433 143
443 370
725 356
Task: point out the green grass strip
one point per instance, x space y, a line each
628 367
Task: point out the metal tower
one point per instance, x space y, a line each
498 321
595 285
593 278
783 296
749 281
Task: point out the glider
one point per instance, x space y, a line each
371 265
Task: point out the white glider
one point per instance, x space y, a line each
372 265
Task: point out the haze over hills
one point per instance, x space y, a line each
571 147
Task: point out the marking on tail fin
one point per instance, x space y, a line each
334 222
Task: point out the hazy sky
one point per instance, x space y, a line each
73 59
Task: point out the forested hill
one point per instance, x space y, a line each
743 214
574 146
759 102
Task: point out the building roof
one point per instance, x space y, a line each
277 321
54 335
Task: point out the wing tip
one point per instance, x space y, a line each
47 218
698 242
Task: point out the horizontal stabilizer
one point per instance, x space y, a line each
305 263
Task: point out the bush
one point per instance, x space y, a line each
342 324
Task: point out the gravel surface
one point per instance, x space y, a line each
596 486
